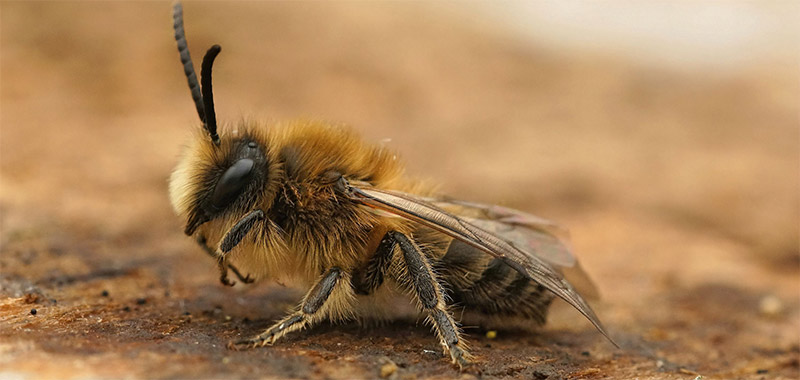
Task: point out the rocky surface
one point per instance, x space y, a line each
680 188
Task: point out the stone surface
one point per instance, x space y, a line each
680 189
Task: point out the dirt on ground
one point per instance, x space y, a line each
680 189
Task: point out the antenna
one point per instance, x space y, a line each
203 98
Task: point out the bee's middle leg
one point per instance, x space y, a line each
309 313
431 298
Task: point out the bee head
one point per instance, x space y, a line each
216 176
212 180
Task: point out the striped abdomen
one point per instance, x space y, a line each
483 284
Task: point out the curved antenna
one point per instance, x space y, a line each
208 94
186 60
203 97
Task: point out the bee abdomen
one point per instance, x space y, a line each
483 284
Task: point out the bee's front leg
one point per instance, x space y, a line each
431 297
222 265
309 313
232 238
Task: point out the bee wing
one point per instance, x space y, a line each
531 234
428 214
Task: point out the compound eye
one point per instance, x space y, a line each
232 183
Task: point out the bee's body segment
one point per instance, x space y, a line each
490 290
312 203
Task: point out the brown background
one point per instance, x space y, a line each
679 185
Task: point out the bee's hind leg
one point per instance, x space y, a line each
309 313
430 296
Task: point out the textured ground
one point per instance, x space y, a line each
680 188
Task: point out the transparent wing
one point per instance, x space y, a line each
531 234
527 232
425 212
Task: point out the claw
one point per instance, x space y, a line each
460 362
225 281
222 265
459 358
254 342
238 345
245 279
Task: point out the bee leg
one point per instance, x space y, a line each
431 298
308 313
239 230
223 268
232 238
201 240
366 280
243 278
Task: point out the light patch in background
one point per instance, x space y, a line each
681 35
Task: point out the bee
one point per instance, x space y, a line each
312 202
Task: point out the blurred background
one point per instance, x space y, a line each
664 136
